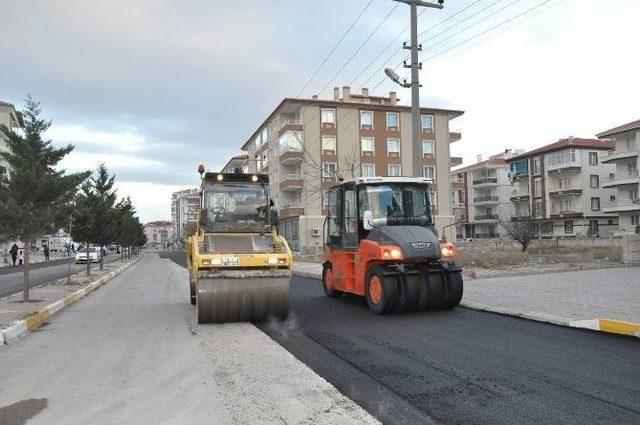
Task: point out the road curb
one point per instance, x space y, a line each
35 320
606 325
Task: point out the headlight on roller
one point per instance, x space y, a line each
272 261
448 250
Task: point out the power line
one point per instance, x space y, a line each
335 46
377 71
359 48
383 50
503 30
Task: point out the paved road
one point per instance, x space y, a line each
462 366
10 283
130 353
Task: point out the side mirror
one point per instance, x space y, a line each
273 218
367 220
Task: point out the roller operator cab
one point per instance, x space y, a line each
381 243
239 267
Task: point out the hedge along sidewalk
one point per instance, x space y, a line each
603 300
62 296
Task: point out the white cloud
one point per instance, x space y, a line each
153 201
80 136
76 161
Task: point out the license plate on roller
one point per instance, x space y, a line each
230 261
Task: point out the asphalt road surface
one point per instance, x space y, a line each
461 366
11 283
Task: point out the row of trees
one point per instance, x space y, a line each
39 198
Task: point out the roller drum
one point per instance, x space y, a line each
242 299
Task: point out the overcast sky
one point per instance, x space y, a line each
154 87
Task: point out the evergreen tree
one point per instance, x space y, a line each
34 199
130 232
94 216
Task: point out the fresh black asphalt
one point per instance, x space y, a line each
12 282
461 366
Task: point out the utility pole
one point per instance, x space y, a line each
416 126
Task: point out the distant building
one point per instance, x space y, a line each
562 186
237 163
481 196
304 144
625 180
159 233
12 119
185 206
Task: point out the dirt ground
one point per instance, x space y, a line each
534 258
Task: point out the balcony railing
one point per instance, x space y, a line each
485 180
620 179
291 210
623 152
291 181
486 217
479 199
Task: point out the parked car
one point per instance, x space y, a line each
94 255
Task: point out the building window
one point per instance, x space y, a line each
536 166
593 158
366 119
427 123
392 120
328 143
395 170
367 145
328 170
566 156
430 172
612 176
393 146
3 170
428 147
568 226
368 170
595 204
328 116
635 220
595 181
612 198
433 198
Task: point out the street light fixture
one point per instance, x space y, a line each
396 78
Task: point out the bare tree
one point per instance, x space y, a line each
316 178
522 229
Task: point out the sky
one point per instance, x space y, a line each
152 88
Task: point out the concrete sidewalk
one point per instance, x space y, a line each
131 353
606 299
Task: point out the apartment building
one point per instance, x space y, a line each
304 144
483 196
561 185
239 162
624 180
185 206
10 118
159 233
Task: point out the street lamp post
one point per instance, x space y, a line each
416 132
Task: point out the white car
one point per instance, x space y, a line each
94 255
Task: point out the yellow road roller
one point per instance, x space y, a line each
239 267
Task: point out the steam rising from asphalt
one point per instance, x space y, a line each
283 327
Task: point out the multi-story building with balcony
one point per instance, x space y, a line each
483 196
10 118
561 185
304 144
625 178
159 233
185 207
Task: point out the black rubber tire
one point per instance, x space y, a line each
330 292
192 291
454 280
435 285
390 292
415 293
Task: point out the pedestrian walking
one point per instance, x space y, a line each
45 249
14 253
21 257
